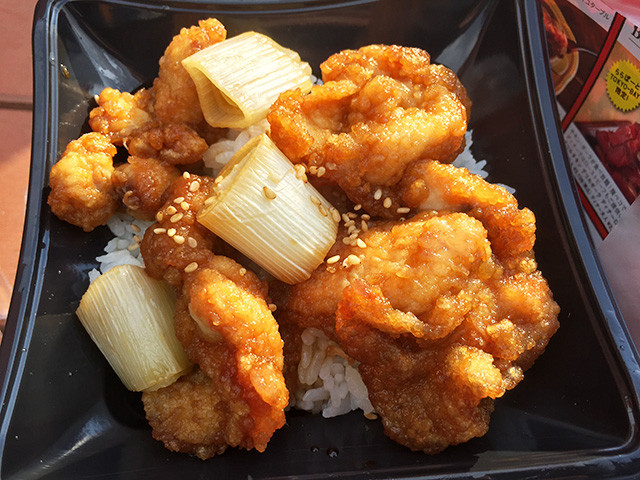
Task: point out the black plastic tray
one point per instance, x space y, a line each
65 414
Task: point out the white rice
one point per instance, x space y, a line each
330 383
122 249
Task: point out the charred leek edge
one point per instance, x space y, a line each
129 316
238 79
262 208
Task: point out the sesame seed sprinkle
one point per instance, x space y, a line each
321 171
192 267
171 209
178 200
364 226
387 202
194 187
332 260
184 206
335 214
135 228
315 200
243 271
137 238
171 232
176 218
365 216
159 230
323 210
378 194
268 193
361 243
133 246
218 180
186 175
193 243
350 261
403 210
179 239
159 216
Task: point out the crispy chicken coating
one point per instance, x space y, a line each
432 185
176 98
120 114
171 143
439 324
225 324
81 189
380 109
142 185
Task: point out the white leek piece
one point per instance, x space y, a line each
129 316
238 79
263 206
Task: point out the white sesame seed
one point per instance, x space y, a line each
179 239
321 171
171 232
159 230
171 210
378 194
361 243
268 193
178 200
323 210
313 170
192 267
194 187
218 179
184 206
315 200
186 175
243 271
133 246
332 260
137 238
365 216
364 225
350 261
135 228
193 243
159 216
403 210
387 202
335 214
357 207
176 218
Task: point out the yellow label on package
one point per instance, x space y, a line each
623 85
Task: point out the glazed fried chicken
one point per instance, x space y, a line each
380 109
225 324
176 99
81 189
439 324
157 126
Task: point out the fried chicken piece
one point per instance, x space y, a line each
81 189
120 114
176 98
171 143
380 109
225 325
198 414
439 324
432 185
177 239
142 185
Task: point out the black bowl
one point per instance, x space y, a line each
66 415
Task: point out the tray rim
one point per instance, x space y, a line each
34 247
